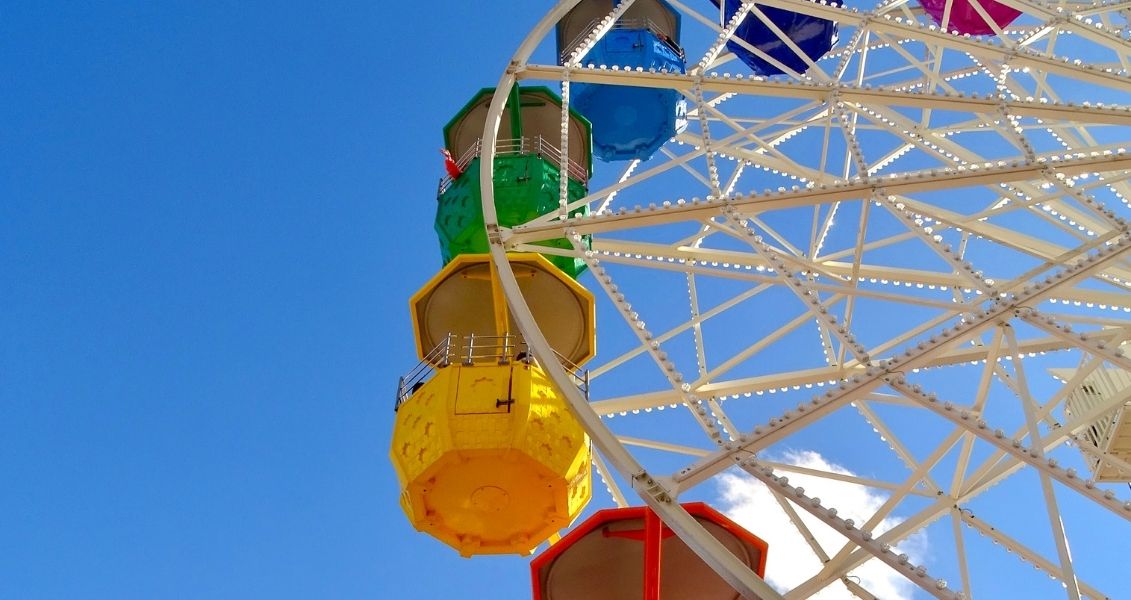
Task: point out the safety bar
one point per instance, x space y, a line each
517 147
478 350
641 23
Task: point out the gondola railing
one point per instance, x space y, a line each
478 350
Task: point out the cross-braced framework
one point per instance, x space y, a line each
860 278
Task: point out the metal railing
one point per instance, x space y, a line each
637 24
438 357
478 350
537 145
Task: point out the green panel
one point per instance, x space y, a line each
525 187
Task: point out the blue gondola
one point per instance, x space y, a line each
812 35
628 122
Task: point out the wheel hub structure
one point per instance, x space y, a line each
872 309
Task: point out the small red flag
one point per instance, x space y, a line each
450 164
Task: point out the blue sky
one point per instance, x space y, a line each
211 218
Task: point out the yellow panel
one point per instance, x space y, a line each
552 434
490 482
555 438
490 502
421 431
485 390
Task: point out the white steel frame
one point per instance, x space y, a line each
1077 191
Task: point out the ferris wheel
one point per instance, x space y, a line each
879 286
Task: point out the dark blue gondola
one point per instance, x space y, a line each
628 122
812 35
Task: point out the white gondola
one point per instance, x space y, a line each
1098 406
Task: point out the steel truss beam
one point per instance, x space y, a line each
855 189
846 93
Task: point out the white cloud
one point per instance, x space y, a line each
791 560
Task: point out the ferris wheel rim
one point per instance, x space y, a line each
713 552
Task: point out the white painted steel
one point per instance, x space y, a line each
893 250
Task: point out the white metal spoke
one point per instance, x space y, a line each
919 474
898 447
960 547
871 483
822 194
848 94
859 537
607 478
809 377
1067 572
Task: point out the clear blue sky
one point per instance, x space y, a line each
211 218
